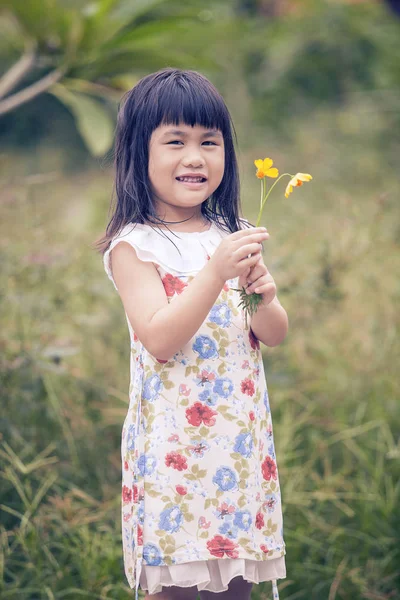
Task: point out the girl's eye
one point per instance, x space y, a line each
180 142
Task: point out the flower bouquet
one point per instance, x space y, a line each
250 302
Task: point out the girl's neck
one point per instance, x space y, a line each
187 226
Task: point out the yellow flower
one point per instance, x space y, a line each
297 180
264 168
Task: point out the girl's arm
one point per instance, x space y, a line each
270 323
162 327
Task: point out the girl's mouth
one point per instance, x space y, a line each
192 182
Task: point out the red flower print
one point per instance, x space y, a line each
176 461
220 545
203 524
140 536
251 416
245 364
126 466
200 413
259 520
173 285
264 548
254 341
182 491
225 509
268 468
269 504
247 387
226 287
126 494
135 337
136 494
173 438
184 390
206 377
159 360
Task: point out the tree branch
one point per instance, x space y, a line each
27 94
16 72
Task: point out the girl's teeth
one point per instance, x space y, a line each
191 179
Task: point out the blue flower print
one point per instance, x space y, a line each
223 387
228 529
171 519
244 444
152 387
225 478
197 448
266 401
140 514
270 502
271 451
146 464
208 397
152 555
243 519
205 346
130 440
221 314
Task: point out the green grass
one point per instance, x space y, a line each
333 383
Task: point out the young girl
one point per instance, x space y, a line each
201 505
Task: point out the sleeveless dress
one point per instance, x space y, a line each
201 500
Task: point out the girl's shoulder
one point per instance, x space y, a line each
180 253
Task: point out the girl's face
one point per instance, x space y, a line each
176 151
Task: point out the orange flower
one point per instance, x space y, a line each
296 181
264 168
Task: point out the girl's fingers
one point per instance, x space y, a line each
259 284
258 271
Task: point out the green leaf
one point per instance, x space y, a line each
92 119
221 369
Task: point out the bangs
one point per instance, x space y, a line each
191 101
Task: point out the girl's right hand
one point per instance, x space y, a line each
230 259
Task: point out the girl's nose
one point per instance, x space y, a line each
193 160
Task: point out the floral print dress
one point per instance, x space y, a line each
201 499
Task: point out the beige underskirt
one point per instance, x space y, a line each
213 575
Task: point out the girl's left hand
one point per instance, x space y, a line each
259 280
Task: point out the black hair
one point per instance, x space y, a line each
169 96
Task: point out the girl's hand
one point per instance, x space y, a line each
259 280
231 258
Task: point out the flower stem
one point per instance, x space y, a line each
266 197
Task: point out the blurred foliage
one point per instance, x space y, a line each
94 51
87 53
333 251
